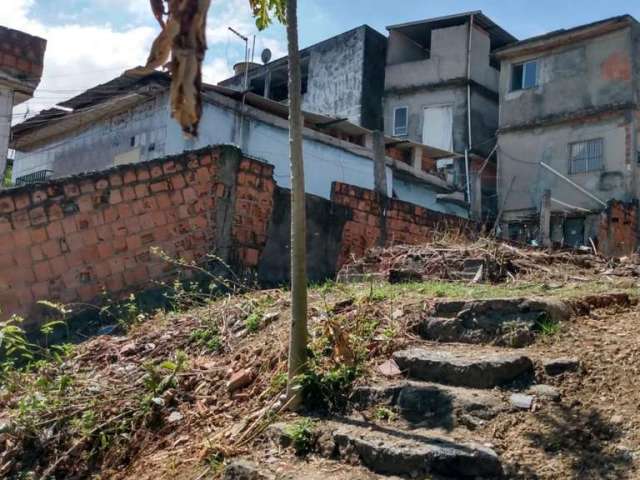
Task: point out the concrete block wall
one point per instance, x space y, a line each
377 221
72 239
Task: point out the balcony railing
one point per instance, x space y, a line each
35 177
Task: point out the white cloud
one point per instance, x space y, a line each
81 55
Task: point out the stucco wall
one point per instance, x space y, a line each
520 153
97 145
594 73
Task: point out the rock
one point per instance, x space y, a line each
415 454
463 369
617 420
561 365
521 401
244 470
270 317
128 349
175 417
240 379
389 369
404 276
545 391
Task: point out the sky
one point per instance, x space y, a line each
92 41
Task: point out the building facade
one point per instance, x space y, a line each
342 77
441 89
128 120
567 140
21 62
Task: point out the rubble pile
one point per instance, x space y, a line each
485 260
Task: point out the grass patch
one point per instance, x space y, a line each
301 434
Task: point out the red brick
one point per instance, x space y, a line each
189 195
119 228
55 212
41 290
176 197
85 203
37 216
111 214
129 176
128 194
105 249
89 237
59 265
169 167
74 242
203 175
159 218
5 225
124 210
7 261
102 184
163 200
104 232
142 174
156 171
160 186
6 204
71 190
51 248
132 224
38 196
39 235
134 242
115 197
22 200
69 226
119 244
177 182
116 264
42 271
142 190
87 186
21 238
114 283
102 270
115 180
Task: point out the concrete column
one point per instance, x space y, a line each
545 219
6 107
379 163
476 197
267 84
417 158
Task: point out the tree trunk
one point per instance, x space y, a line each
298 333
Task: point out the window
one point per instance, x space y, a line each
400 121
586 156
524 76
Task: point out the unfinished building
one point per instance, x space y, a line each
568 137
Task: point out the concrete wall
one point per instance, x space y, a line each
417 100
520 153
6 107
99 145
408 190
596 73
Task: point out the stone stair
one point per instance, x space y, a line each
442 390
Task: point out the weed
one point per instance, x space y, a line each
548 327
278 382
301 434
208 337
253 321
215 462
384 414
327 390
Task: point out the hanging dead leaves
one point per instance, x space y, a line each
180 47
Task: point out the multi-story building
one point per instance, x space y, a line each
342 77
568 136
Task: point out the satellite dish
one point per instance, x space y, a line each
266 55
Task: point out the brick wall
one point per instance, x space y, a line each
68 240
618 229
21 54
402 222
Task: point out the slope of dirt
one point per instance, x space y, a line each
157 402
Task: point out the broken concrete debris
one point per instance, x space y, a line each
559 366
240 379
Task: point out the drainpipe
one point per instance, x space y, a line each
469 143
470 37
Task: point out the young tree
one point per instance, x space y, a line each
183 36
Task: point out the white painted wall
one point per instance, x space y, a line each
6 107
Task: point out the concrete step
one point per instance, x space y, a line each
464 369
390 451
431 405
510 322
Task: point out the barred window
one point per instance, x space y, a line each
400 121
586 156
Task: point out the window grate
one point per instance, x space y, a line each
35 177
586 156
400 121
